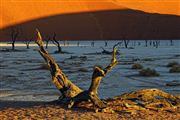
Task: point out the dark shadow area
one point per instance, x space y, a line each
110 25
21 104
31 104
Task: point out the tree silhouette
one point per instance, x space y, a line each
14 35
56 42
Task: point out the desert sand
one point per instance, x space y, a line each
55 111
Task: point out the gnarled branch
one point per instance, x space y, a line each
91 93
70 90
66 87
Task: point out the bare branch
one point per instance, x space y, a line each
57 44
65 86
14 35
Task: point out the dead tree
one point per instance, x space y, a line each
64 41
105 51
48 38
146 43
57 44
78 43
126 42
27 42
148 99
105 44
171 42
158 43
150 42
134 43
14 35
92 94
67 43
67 88
92 43
111 52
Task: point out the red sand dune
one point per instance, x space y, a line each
16 11
92 19
153 6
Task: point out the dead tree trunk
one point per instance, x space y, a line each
171 42
92 94
65 86
157 43
70 90
105 44
126 42
105 51
57 44
14 35
146 43
150 42
134 43
78 43
27 42
64 43
48 38
92 43
111 52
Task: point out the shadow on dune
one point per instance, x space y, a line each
111 24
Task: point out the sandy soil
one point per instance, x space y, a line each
53 111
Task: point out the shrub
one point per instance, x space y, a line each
137 66
175 69
148 72
171 64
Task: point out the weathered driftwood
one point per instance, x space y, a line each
70 90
